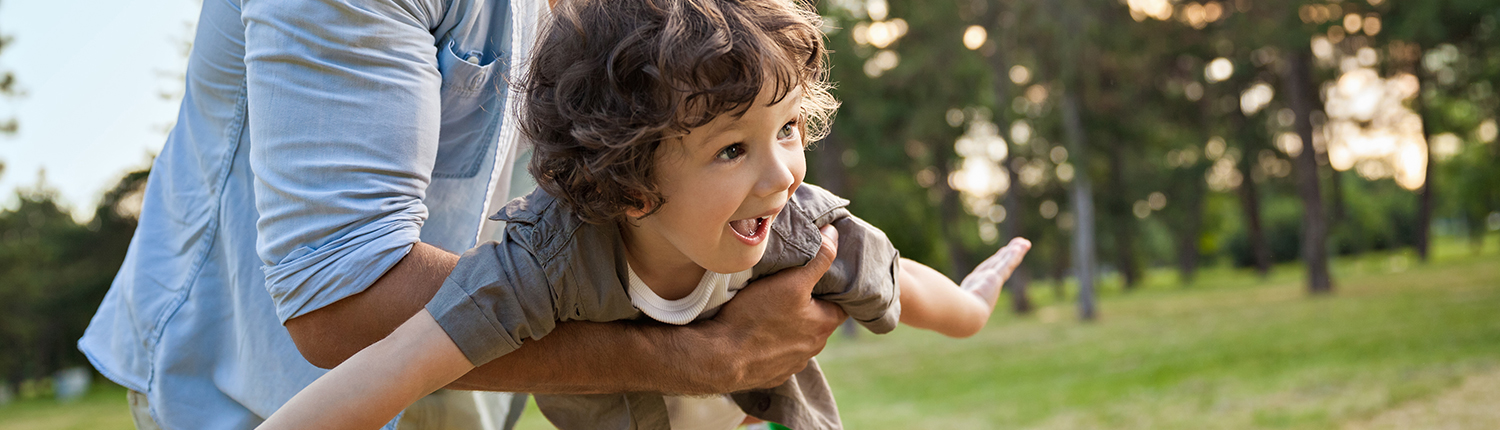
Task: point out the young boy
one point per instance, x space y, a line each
669 152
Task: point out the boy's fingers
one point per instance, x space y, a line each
827 311
1017 250
1020 243
1005 261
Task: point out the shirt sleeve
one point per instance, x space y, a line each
343 103
498 295
862 279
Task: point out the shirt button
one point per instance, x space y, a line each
473 59
763 403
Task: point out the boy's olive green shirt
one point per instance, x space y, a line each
551 266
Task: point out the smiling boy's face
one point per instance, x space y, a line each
724 184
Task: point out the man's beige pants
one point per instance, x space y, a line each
442 410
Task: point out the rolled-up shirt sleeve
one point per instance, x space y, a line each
343 103
862 278
498 296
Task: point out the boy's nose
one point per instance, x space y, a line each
779 174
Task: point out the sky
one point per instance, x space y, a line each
93 72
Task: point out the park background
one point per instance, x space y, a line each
1247 213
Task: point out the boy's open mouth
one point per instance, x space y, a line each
751 230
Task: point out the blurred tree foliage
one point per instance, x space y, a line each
8 90
1193 117
56 271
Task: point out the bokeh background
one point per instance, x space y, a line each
1247 213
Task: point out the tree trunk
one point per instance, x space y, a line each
1299 95
1260 251
1336 202
1423 241
959 260
1120 210
1020 303
1060 263
829 162
1073 69
1191 227
1083 207
1250 202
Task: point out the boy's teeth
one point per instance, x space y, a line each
745 227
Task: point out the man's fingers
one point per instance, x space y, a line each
779 324
819 264
781 379
807 276
832 315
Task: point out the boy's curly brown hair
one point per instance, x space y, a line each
611 79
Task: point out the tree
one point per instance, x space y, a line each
1112 104
1298 85
8 89
1425 25
57 273
900 68
1071 71
1002 21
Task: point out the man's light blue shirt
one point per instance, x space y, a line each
317 141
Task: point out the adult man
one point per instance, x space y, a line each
336 153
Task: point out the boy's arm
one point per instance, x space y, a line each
374 385
931 301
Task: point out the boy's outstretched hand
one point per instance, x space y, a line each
987 279
929 300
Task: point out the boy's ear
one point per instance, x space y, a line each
640 212
636 213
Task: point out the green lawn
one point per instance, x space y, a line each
103 408
1228 352
1232 351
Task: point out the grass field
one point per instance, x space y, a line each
1398 345
1226 353
103 408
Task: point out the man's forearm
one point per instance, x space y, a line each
758 340
332 334
586 357
577 357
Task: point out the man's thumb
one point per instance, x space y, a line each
827 251
803 278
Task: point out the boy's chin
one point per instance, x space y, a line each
739 263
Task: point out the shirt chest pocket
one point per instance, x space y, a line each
473 101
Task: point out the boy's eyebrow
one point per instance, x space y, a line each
735 124
731 125
711 137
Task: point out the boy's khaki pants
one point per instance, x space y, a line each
442 410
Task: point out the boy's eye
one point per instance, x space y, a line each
787 130
732 152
